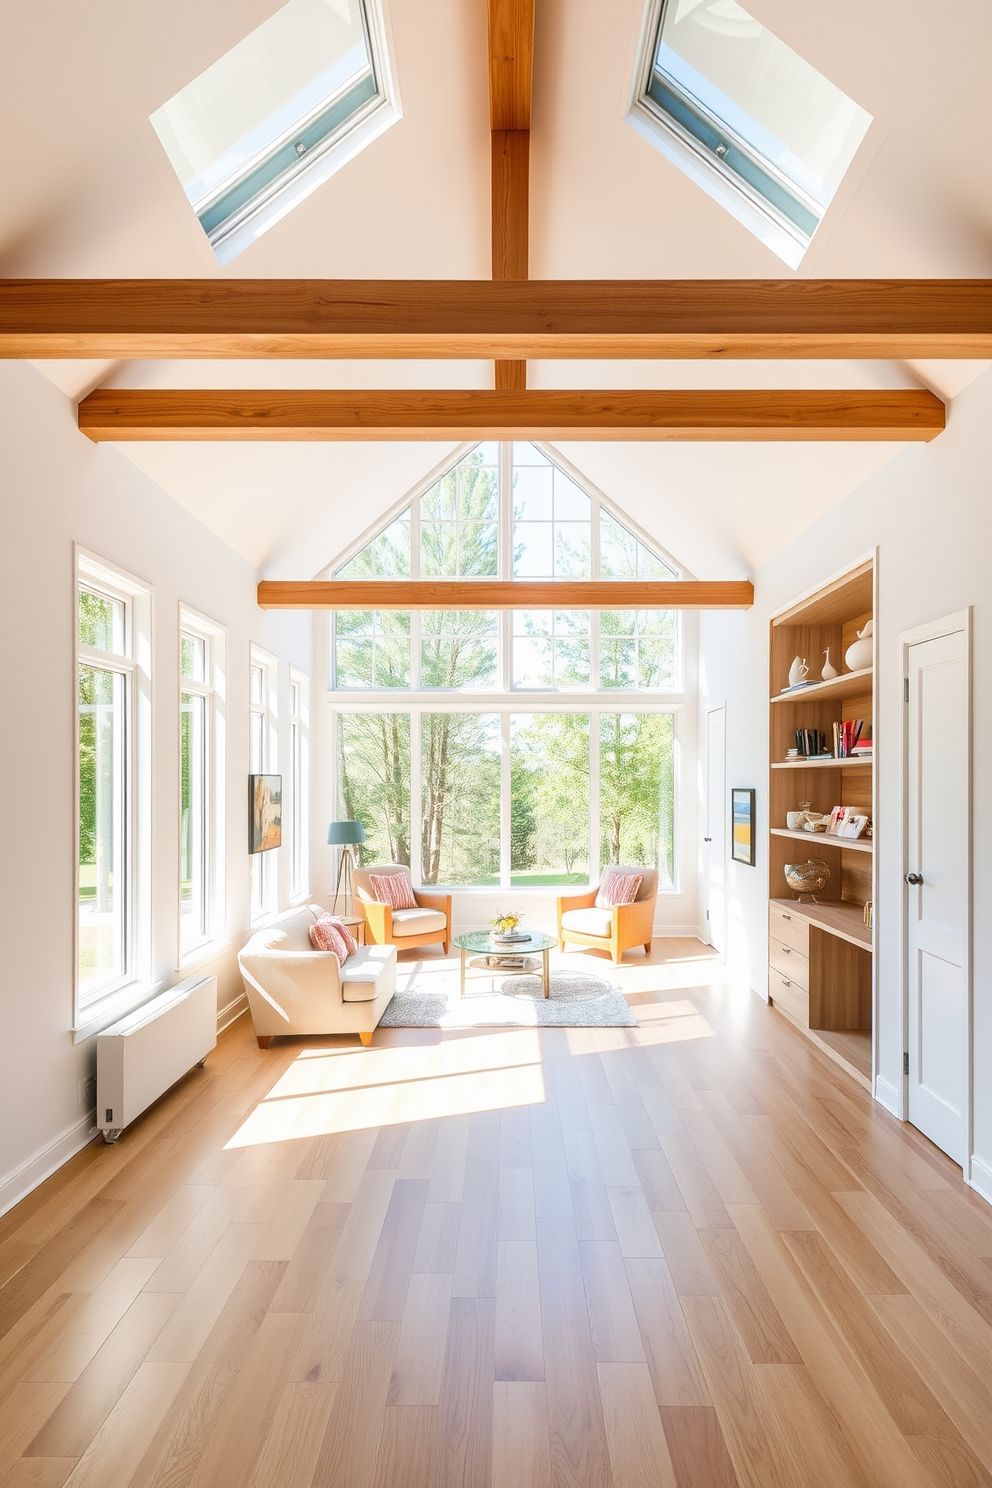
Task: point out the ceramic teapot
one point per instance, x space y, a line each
859 655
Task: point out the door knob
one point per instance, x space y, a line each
707 839
914 878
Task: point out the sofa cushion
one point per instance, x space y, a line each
394 889
417 921
369 972
325 935
589 921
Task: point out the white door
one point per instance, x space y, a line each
938 889
715 838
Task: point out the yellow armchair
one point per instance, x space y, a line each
428 924
616 929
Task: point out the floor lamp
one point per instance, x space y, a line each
346 835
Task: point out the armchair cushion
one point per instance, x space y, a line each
589 921
417 921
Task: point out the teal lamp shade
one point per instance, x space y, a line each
345 833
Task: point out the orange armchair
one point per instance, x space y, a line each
428 924
615 930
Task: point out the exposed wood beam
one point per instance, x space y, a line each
496 594
511 70
206 414
715 318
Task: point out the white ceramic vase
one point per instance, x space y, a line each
798 671
829 670
859 655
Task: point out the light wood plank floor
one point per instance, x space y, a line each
688 1255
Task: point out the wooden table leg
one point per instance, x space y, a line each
547 974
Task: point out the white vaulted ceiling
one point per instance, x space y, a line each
86 191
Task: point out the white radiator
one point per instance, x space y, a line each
139 1058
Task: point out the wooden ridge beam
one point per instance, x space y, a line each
511 72
496 594
205 414
502 319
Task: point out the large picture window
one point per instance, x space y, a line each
202 680
564 756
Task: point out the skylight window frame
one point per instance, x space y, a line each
744 202
273 201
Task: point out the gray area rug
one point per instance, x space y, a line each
577 1001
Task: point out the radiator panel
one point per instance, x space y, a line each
142 1055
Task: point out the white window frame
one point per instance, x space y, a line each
506 705
299 785
118 996
263 867
214 692
600 504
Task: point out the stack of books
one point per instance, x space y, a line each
852 740
810 744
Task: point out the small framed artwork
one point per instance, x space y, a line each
742 833
264 812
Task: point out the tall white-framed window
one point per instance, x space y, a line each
113 753
263 758
299 784
202 688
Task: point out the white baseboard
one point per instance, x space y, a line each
889 1096
676 932
18 1184
980 1178
228 1015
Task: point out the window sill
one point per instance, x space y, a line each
203 955
116 1005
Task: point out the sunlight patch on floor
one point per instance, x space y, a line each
326 1090
658 1023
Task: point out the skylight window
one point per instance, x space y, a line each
276 115
746 117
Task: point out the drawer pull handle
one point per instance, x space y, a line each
785 983
786 951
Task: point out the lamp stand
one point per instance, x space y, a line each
344 878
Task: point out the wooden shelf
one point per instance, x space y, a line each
855 844
847 682
822 764
835 916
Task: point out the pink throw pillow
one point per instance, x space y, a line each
326 936
618 888
394 889
351 944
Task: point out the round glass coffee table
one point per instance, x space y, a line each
482 943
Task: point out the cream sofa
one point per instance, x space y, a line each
294 989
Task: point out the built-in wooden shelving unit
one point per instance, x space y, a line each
820 954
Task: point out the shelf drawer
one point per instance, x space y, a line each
790 929
788 997
791 963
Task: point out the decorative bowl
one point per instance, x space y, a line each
807 878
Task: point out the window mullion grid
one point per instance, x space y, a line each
595 552
416 797
504 564
594 795
505 812
416 627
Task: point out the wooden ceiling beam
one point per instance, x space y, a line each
496 594
711 318
511 72
206 414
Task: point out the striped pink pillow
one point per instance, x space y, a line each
325 935
351 944
618 888
394 889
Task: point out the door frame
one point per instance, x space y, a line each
953 624
712 707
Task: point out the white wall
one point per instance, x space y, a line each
929 513
57 489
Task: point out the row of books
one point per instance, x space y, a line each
850 741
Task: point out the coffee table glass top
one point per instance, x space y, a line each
481 941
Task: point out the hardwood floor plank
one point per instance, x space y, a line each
612 1146
519 1339
26 1411
38 1472
702 1198
590 1201
475 1255
654 1173
639 1455
697 1447
115 1452
465 1413
304 1274
616 1337
757 1319
521 1445
637 1235
691 1271
289 1454
672 1361
514 1138
438 1243
385 1294
407 1447
348 1452
814 1435
516 1219
419 1361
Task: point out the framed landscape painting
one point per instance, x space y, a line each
264 812
742 825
